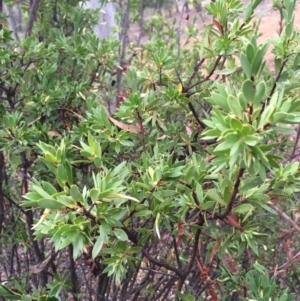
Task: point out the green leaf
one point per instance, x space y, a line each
207 205
50 157
214 196
250 52
260 155
234 156
55 290
243 208
245 65
275 99
29 204
120 234
251 140
292 118
242 100
156 224
50 204
34 196
219 100
94 194
117 170
236 124
252 244
289 29
99 243
48 298
91 141
248 12
66 201
86 154
266 115
228 143
61 172
143 213
236 148
49 188
259 93
235 106
97 162
123 196
249 90
7 293
26 298
277 117
41 192
75 194
224 71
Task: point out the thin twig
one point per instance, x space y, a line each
208 76
296 142
233 194
196 69
286 263
196 115
95 73
275 84
14 203
194 252
176 253
157 272
161 264
284 216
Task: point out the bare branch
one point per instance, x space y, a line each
296 142
161 264
284 216
208 75
233 195
32 16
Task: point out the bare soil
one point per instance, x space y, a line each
269 21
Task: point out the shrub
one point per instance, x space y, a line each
187 191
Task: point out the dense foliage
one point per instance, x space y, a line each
171 177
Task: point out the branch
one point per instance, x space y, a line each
196 115
233 194
95 73
122 52
286 263
157 272
284 216
275 84
32 16
208 76
14 203
141 22
196 69
277 78
176 253
161 264
296 142
73 275
192 259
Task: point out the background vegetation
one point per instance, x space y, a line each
156 171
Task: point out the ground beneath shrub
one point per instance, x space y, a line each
269 22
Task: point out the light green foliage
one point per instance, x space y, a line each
188 180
